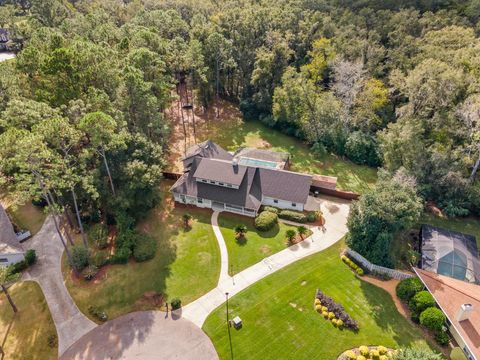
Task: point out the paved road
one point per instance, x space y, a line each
146 335
71 324
335 213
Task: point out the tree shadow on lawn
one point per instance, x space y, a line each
386 316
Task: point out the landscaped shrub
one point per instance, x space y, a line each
176 303
340 323
99 236
383 357
457 354
97 313
30 257
271 209
350 355
52 341
416 354
17 267
421 301
79 257
318 308
121 256
100 259
364 350
313 216
352 265
266 220
293 216
432 318
382 350
318 302
442 338
361 357
89 272
374 354
145 248
337 310
407 288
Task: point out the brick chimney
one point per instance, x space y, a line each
464 312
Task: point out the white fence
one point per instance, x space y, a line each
364 263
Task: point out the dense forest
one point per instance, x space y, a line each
390 84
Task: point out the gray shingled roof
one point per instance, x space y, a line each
285 185
221 171
208 149
8 240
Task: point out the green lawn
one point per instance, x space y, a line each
25 335
187 265
279 321
231 132
256 246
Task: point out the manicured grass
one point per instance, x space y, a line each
256 245
187 265
279 321
25 335
231 132
26 216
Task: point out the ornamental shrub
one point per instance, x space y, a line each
270 209
313 216
334 322
89 272
97 313
325 314
350 355
30 257
340 323
324 308
374 354
100 259
442 338
145 248
420 301
457 354
99 236
293 216
432 318
121 256
382 350
176 303
407 288
364 350
361 357
318 308
331 315
383 357
318 302
266 220
79 257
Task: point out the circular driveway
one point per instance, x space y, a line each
144 335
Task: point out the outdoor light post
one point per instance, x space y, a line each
228 328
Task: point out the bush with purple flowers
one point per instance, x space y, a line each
337 309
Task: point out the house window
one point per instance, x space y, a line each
3 260
212 182
293 204
229 185
203 180
275 201
200 200
220 184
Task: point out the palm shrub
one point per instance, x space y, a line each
432 318
89 272
240 230
290 234
302 231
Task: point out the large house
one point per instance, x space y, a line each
240 182
11 250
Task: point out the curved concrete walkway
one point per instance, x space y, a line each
70 322
223 248
145 335
335 213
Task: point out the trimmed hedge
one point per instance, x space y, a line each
266 220
352 265
421 301
407 288
432 318
293 216
270 209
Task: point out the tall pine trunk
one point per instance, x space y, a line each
79 220
12 304
474 170
193 109
105 162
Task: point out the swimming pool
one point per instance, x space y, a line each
256 162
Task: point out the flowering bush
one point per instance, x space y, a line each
334 310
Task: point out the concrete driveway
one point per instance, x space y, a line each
145 335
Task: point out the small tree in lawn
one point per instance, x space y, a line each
290 234
6 276
240 231
186 219
302 231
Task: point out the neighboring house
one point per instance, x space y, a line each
460 302
11 250
3 39
239 183
449 253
